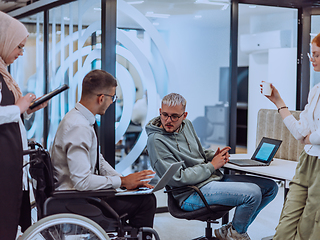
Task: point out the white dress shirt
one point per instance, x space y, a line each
309 123
74 154
9 114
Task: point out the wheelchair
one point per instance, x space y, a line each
72 214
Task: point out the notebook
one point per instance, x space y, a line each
161 183
263 154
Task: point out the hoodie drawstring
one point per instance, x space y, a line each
175 136
187 141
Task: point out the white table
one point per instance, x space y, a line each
279 169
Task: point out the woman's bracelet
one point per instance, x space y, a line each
281 108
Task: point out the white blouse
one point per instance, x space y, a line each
309 123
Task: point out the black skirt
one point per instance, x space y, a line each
11 161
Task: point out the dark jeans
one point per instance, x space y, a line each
140 209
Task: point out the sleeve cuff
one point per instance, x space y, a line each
27 116
9 114
314 138
211 167
116 181
289 119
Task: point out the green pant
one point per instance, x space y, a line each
300 217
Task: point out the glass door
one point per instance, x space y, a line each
267 52
315 29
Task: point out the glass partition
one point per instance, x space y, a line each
27 70
268 50
166 47
74 50
315 29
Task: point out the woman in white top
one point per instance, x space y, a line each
13 139
301 212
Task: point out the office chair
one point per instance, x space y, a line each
207 214
203 128
85 214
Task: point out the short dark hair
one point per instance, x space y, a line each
96 80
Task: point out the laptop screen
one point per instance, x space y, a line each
266 150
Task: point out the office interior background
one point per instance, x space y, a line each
214 53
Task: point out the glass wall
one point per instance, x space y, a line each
28 72
315 29
163 47
72 54
166 47
268 52
74 50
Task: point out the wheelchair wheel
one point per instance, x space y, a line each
65 227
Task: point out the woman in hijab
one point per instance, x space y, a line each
13 139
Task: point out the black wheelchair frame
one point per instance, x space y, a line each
88 204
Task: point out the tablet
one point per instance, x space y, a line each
48 96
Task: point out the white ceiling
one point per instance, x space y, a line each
201 12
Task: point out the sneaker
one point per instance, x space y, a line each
232 234
221 233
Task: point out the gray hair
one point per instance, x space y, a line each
174 99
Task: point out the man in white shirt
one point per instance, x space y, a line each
74 153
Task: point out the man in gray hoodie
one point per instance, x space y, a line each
172 138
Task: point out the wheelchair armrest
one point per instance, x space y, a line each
84 194
186 188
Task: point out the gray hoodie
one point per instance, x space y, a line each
184 146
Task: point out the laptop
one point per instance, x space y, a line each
263 154
161 183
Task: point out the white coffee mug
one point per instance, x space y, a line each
266 88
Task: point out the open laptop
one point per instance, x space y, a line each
263 154
161 183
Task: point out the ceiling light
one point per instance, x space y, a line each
157 15
156 24
135 2
66 18
252 6
224 4
197 16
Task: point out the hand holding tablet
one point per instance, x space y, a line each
48 96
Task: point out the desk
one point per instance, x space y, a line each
279 169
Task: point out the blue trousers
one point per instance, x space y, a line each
248 194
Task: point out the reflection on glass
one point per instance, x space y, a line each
170 47
28 72
315 29
74 50
267 52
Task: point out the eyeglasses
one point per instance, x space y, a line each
174 117
114 97
21 48
312 57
